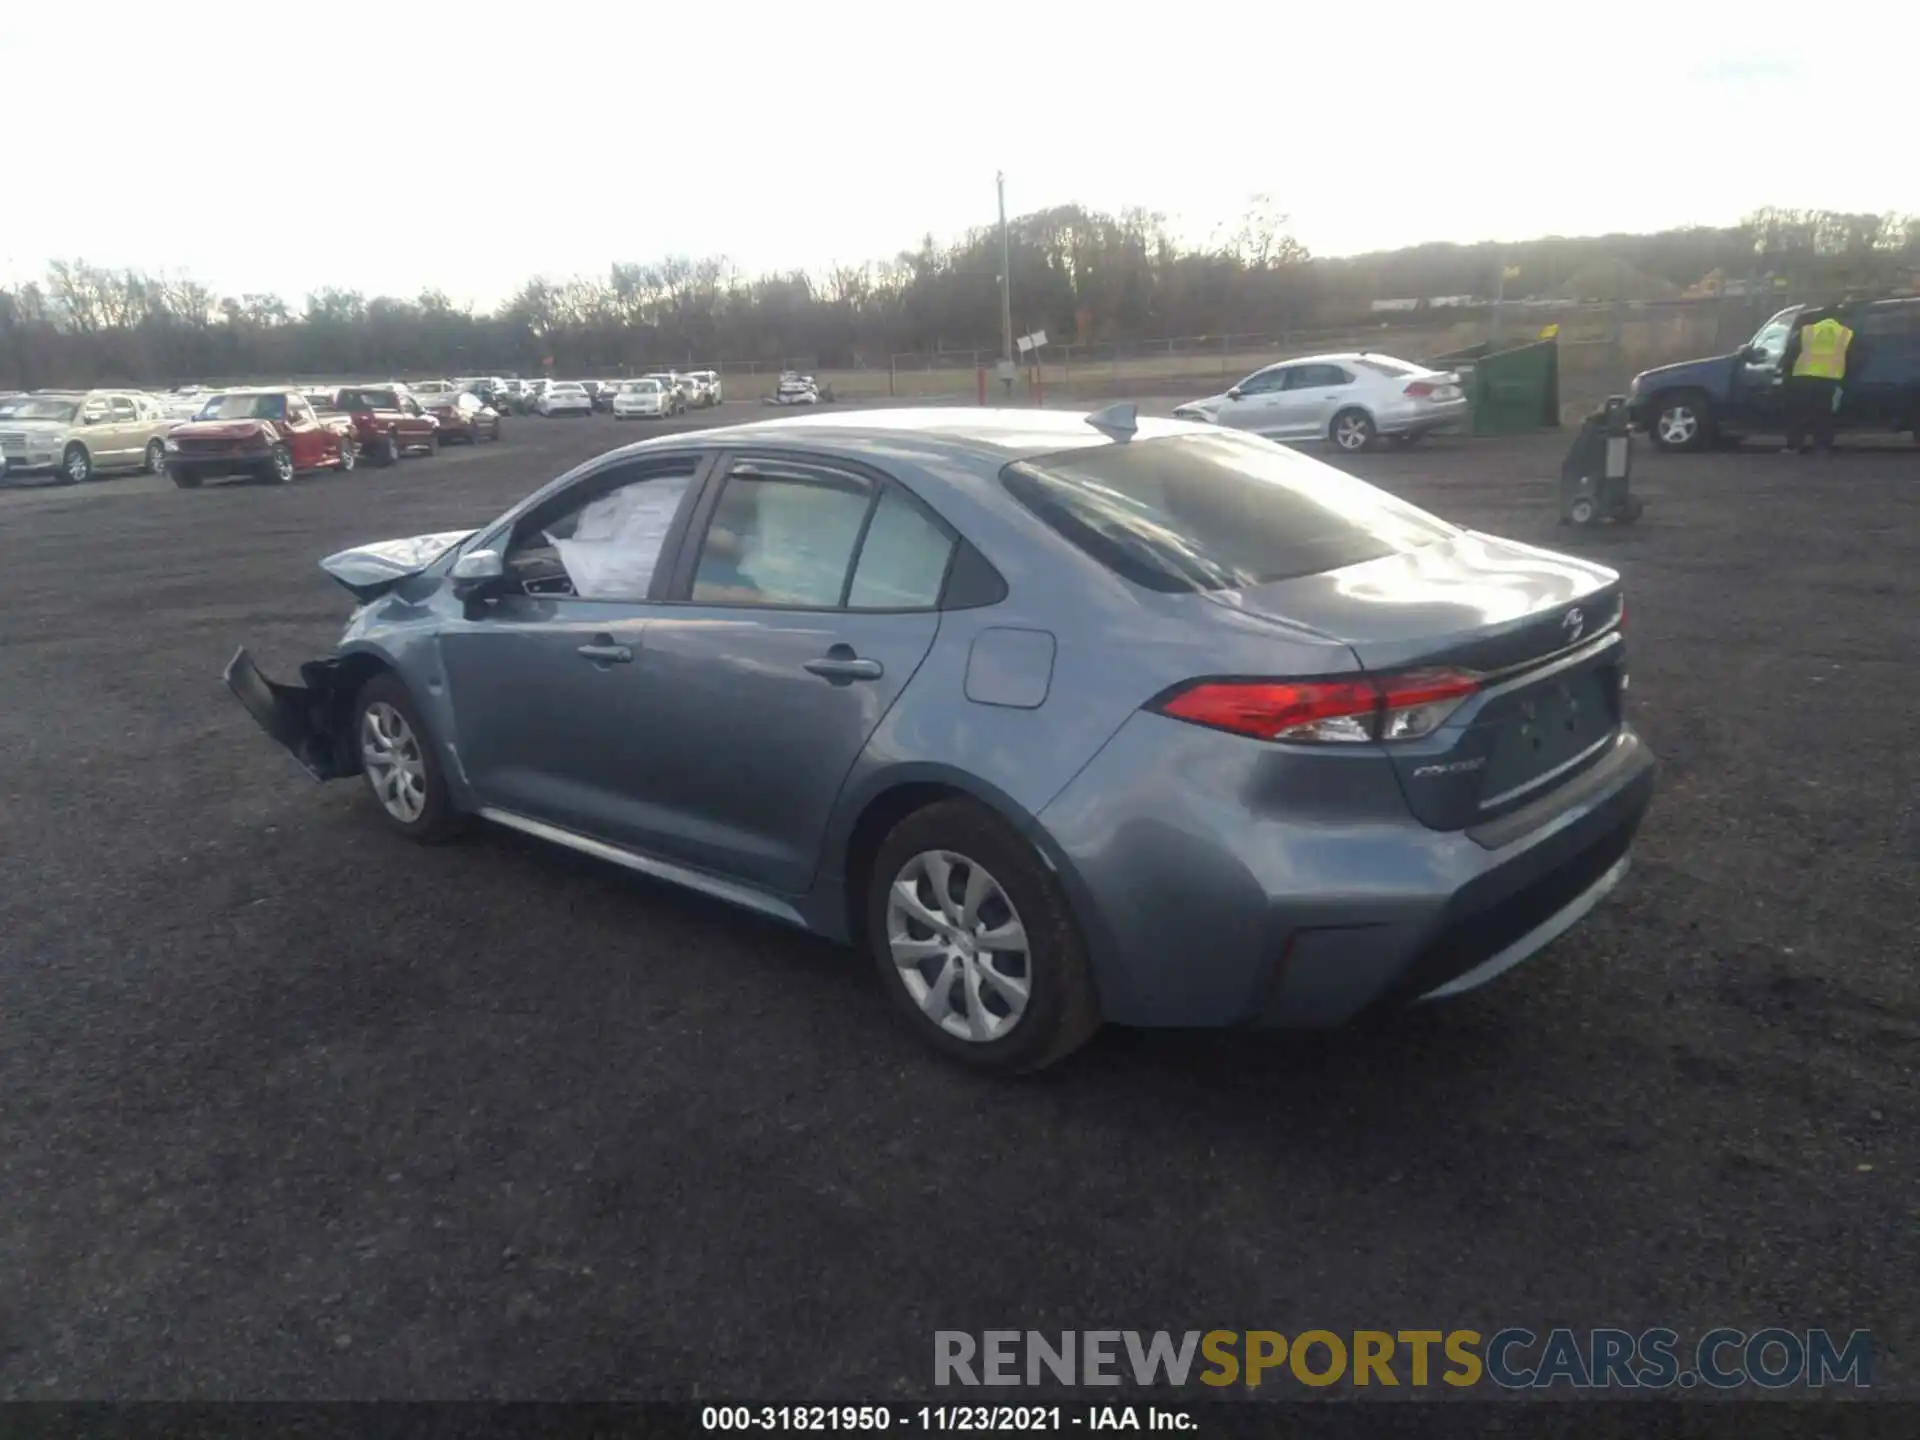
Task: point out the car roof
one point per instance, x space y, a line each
994 435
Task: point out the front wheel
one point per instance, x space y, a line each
400 764
974 941
156 459
386 450
279 467
1353 431
76 466
349 453
1681 421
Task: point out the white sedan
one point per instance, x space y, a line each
640 399
565 397
1353 399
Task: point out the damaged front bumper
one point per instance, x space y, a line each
306 719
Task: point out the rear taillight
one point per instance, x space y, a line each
1369 708
1431 390
1420 389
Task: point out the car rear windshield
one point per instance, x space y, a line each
1215 511
1381 365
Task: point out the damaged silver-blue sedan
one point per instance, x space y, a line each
1061 718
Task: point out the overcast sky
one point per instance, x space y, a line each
285 147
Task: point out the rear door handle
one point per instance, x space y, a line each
840 669
605 652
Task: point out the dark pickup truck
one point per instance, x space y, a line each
1726 398
387 422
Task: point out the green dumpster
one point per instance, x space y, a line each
1510 390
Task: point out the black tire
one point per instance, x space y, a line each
349 454
1681 420
387 450
183 477
279 467
76 465
156 458
438 821
1583 511
1062 1012
1352 431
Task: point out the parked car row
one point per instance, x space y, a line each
681 391
266 432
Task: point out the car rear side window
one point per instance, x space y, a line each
1215 511
782 539
1316 377
903 561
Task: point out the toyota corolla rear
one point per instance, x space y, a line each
1375 759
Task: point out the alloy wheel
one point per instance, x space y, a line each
959 946
395 767
1678 425
79 466
1350 432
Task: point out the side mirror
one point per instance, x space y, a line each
476 570
1756 355
1234 393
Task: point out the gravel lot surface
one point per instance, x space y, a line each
294 1109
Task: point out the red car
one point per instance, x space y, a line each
270 435
386 421
465 416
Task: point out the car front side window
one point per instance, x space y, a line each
1264 383
602 541
782 538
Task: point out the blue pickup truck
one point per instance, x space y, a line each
1726 398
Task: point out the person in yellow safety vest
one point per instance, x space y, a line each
1814 368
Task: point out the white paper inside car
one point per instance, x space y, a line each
617 542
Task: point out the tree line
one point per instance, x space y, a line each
1081 275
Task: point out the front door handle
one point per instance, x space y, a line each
843 668
605 652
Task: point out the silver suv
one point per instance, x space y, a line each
77 433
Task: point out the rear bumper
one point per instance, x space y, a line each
1424 419
1198 913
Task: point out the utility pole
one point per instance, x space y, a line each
1006 276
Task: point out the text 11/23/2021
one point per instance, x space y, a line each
976 1419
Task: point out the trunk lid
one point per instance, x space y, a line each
369 571
1541 630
